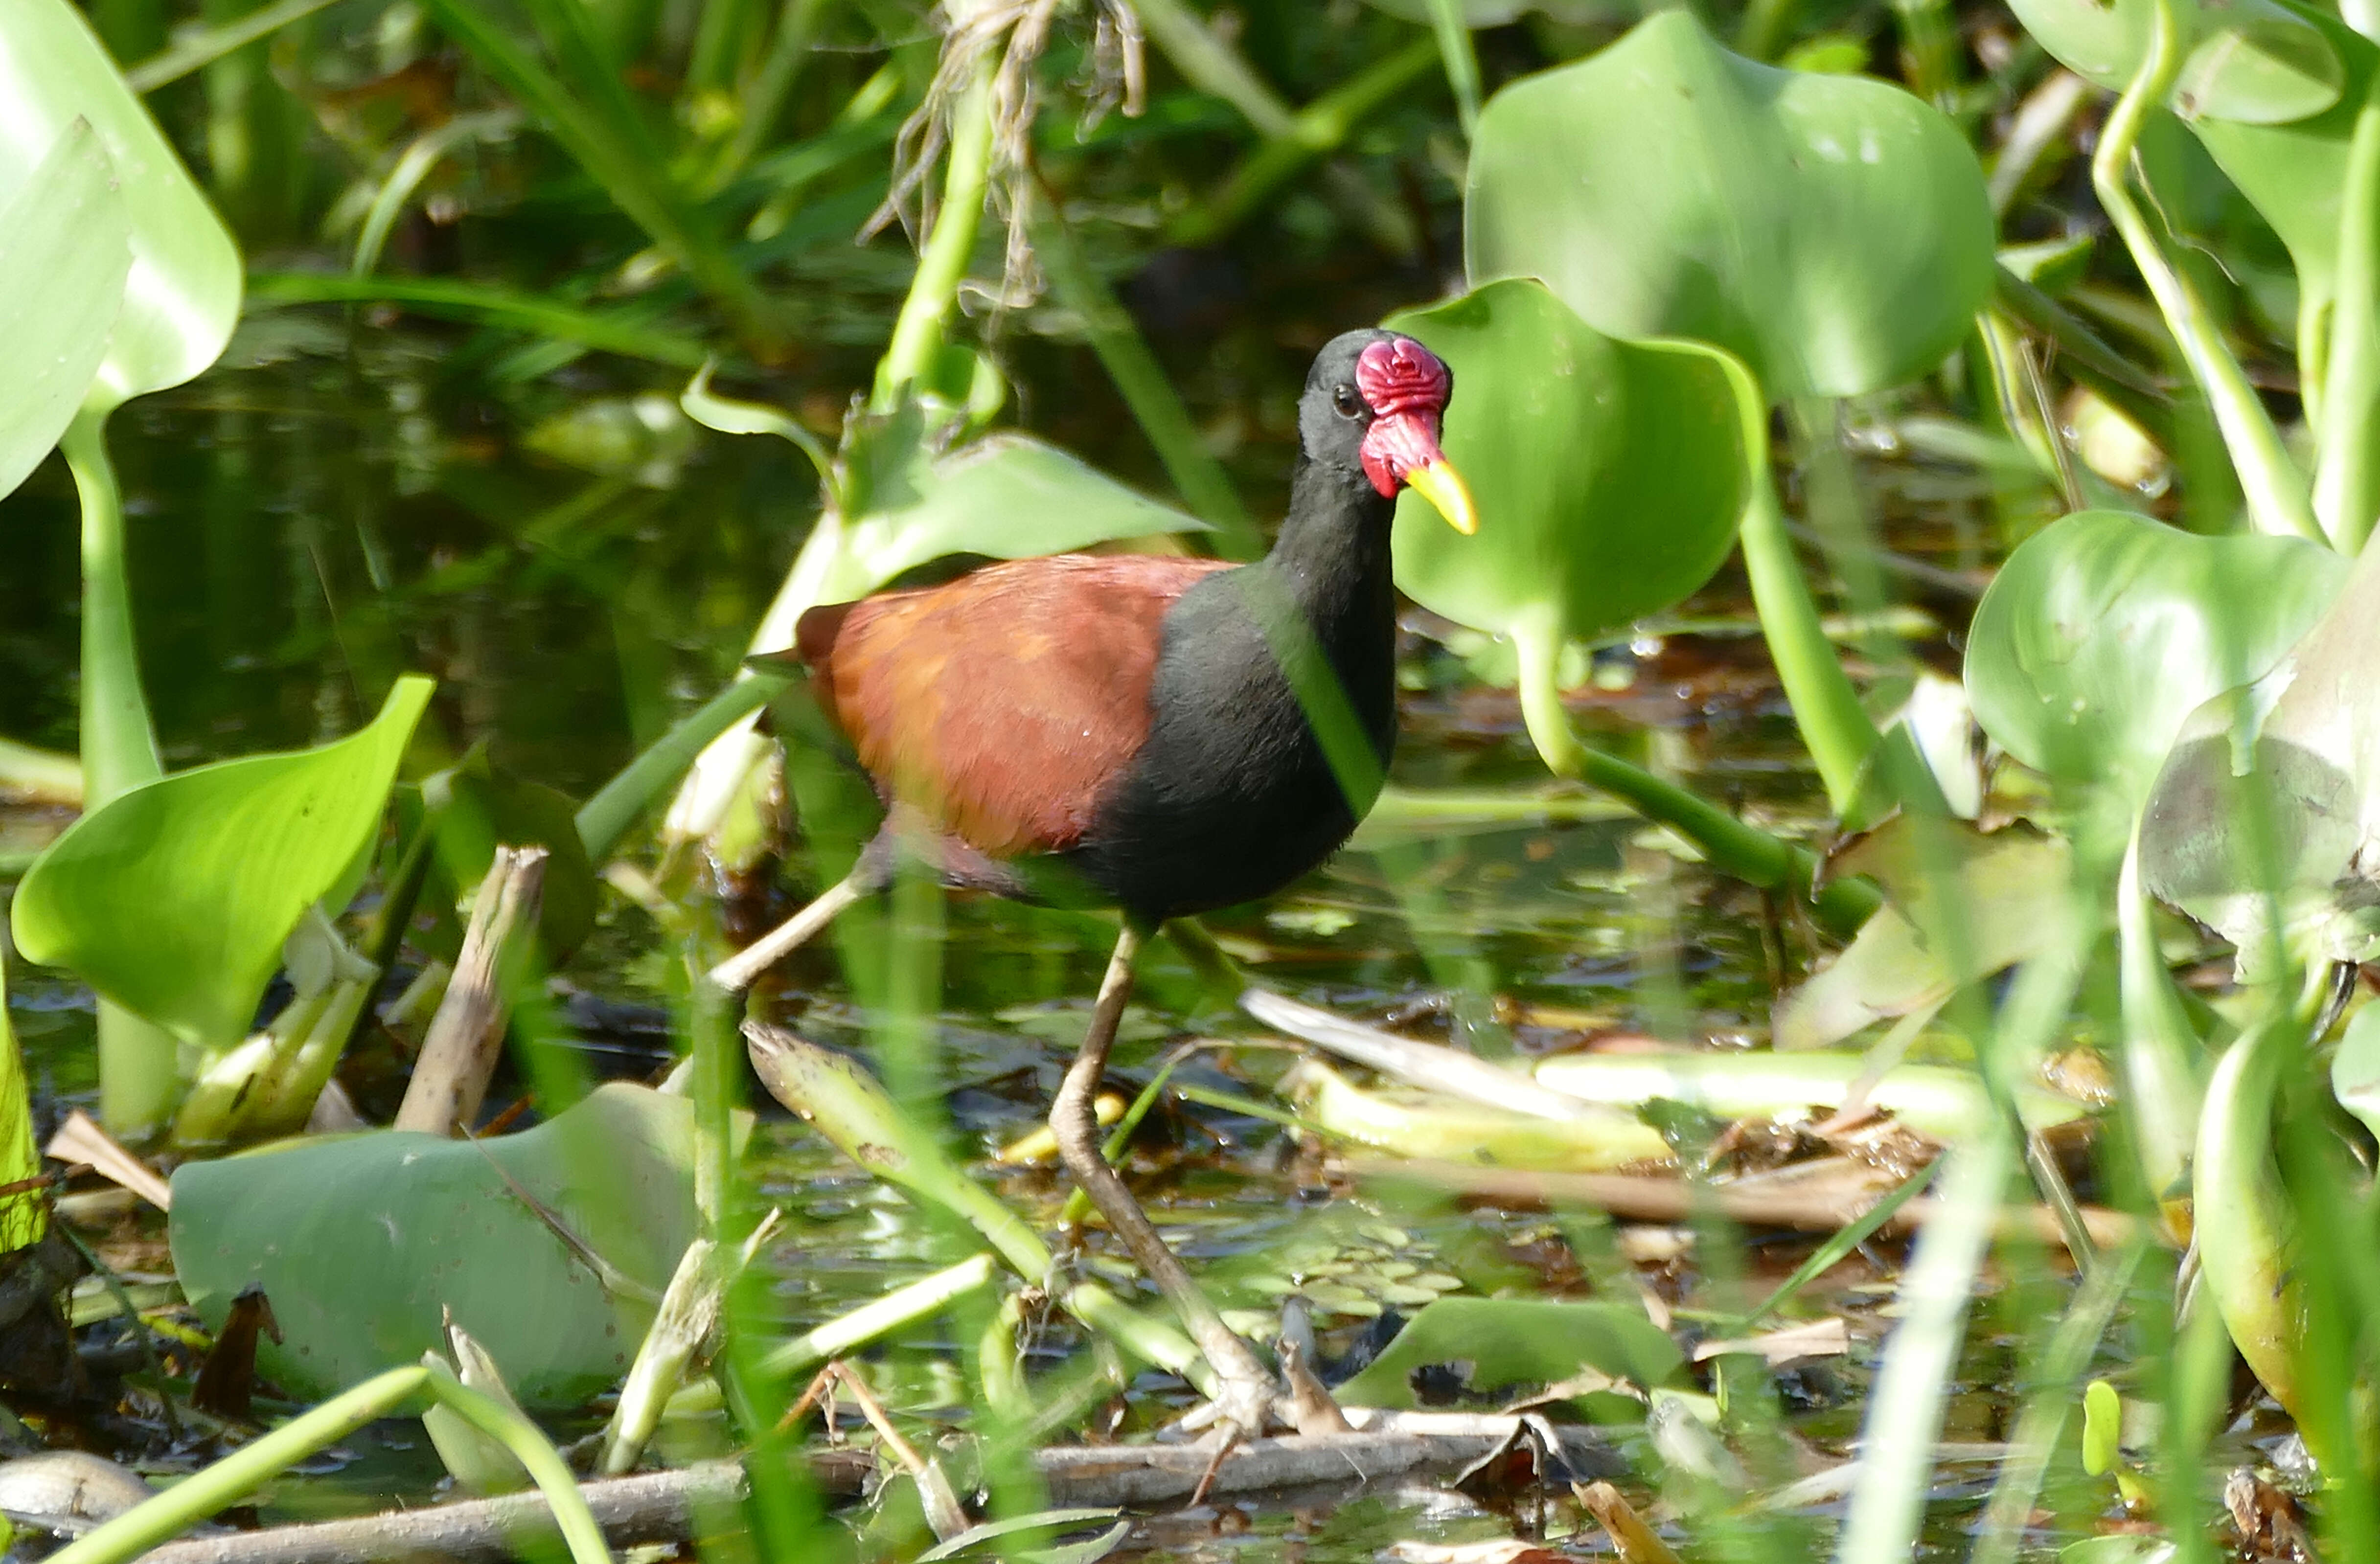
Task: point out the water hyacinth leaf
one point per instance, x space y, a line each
1519 1341
2258 823
1832 232
2254 62
1609 475
174 899
65 247
182 295
2294 172
2105 630
363 1242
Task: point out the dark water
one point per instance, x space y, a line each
336 506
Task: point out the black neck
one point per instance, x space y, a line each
1333 553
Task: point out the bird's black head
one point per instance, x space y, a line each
1373 404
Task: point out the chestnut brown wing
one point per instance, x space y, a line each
1001 703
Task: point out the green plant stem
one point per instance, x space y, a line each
2347 476
1320 130
597 122
1126 355
902 1306
1834 725
2043 1422
1746 851
1904 1415
203 1493
1834 1250
943 264
606 818
412 166
41 775
2087 357
139 1069
611 331
2278 500
1210 65
1905 1407
119 751
204 48
764 101
1453 33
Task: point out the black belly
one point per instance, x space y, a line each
1229 801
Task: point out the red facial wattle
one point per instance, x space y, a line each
1406 386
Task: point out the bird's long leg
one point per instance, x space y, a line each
738 972
1243 1396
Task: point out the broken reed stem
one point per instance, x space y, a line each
467 1034
692 1502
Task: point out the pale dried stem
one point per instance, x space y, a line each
466 1036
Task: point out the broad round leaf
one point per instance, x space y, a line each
2266 70
2255 62
362 1241
1610 474
182 296
1832 232
65 247
2105 630
174 899
2295 174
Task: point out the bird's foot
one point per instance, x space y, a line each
1243 1408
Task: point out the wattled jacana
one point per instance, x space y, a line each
1119 731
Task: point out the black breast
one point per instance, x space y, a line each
1231 798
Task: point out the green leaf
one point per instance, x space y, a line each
2103 1428
182 295
2105 631
2252 61
1609 475
65 247
362 1241
1517 1341
2257 825
1832 232
174 898
2294 173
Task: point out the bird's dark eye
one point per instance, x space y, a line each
1344 398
